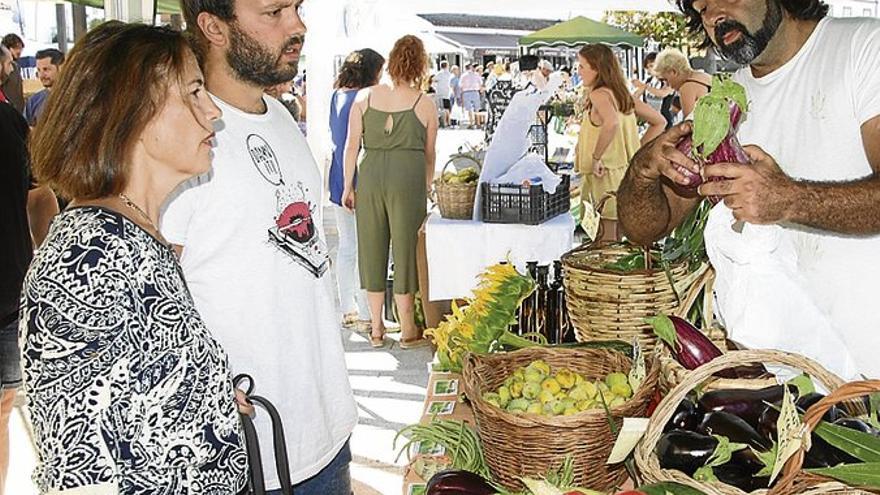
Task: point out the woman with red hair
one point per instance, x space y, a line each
397 129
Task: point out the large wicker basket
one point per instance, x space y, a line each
456 201
605 304
528 445
796 482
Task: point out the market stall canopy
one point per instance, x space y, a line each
481 41
579 31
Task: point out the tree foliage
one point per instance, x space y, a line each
666 28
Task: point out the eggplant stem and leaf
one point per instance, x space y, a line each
723 453
768 459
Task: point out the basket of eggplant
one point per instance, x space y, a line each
720 441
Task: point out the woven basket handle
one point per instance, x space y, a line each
705 278
462 156
813 416
469 365
732 359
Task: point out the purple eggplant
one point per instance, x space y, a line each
686 451
692 349
459 482
685 417
734 428
729 151
740 477
856 424
803 403
821 454
748 404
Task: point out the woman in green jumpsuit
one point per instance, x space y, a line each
397 129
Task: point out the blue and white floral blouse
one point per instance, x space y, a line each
128 391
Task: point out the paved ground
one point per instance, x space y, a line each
389 386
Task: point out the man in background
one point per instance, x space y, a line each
12 88
444 92
48 64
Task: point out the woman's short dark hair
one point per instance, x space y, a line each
12 40
361 69
115 81
806 10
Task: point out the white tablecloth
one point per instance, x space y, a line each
459 250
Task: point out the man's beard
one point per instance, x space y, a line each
749 46
253 62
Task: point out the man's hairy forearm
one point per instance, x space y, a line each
847 208
642 208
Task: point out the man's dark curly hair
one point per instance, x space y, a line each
806 10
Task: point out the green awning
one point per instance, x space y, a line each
162 7
580 31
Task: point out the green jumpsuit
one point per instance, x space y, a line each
391 197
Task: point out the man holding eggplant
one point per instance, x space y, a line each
813 139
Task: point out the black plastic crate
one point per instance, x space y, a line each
531 205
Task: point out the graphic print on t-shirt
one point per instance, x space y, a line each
293 231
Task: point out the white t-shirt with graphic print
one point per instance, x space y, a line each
256 262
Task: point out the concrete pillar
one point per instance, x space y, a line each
79 21
61 22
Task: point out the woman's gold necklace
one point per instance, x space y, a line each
131 204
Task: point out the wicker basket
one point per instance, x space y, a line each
798 482
456 201
527 445
609 305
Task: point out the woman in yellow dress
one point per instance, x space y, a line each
609 134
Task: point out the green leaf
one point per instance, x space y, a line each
705 474
862 446
866 475
664 329
667 487
711 124
804 384
768 459
874 413
723 451
725 87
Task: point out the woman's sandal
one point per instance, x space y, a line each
377 342
349 320
414 343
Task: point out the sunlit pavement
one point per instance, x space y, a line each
389 387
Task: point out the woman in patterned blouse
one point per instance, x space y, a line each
128 391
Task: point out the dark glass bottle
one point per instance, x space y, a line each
539 308
555 310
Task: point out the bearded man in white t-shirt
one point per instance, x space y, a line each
252 244
813 189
